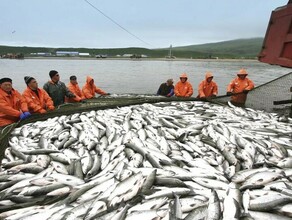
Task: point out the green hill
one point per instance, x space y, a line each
241 48
238 48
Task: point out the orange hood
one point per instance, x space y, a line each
208 75
183 75
88 79
242 72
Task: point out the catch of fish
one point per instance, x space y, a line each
175 160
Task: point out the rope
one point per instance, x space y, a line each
116 23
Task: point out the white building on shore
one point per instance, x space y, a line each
67 53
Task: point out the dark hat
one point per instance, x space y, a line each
27 79
52 73
170 81
3 80
73 77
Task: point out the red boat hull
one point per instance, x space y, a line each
277 45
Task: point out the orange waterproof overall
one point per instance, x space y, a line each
75 89
11 107
90 90
38 103
207 89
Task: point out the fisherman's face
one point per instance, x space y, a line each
73 81
33 84
183 79
241 76
56 78
6 86
209 79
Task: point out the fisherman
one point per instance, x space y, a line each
208 88
241 84
75 89
37 99
89 89
166 89
56 89
12 105
182 87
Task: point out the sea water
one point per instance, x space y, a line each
136 76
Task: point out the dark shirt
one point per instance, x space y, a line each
57 91
164 90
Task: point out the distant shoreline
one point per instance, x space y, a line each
141 59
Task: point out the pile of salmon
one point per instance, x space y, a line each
176 160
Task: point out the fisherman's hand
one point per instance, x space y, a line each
245 91
229 93
168 95
24 115
82 101
107 94
213 96
203 98
43 111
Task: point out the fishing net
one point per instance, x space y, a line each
266 96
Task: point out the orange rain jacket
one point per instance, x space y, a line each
11 107
183 89
38 103
75 89
90 90
207 89
237 85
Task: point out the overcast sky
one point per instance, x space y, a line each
134 23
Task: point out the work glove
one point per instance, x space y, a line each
245 91
229 93
83 101
213 96
24 115
203 98
27 114
108 94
